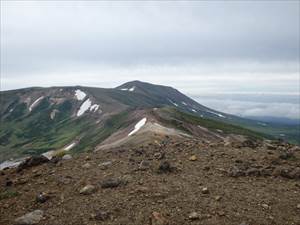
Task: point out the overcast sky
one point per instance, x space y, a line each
200 48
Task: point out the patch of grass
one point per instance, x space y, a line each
18 112
4 139
178 118
96 135
60 153
291 132
8 194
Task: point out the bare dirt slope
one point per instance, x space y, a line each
170 182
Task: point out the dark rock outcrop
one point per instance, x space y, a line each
32 161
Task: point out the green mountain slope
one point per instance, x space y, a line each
38 120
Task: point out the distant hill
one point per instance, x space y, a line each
48 120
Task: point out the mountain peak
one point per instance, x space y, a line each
141 85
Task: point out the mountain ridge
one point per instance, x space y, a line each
38 120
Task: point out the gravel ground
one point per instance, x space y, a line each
172 182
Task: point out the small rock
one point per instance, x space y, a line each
271 147
295 173
38 174
206 168
141 190
286 155
288 173
159 155
235 171
88 189
205 190
250 143
298 206
101 216
42 197
111 183
67 157
265 206
86 166
30 218
194 216
253 172
55 159
193 158
218 198
158 219
295 148
125 179
8 182
221 213
144 165
165 167
243 223
227 144
105 165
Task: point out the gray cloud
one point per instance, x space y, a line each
198 47
254 109
36 35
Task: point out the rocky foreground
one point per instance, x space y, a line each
166 183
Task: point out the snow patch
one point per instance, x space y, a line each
70 146
49 154
138 126
84 107
218 114
35 103
194 110
262 124
183 103
132 89
53 113
80 95
128 89
174 103
94 108
10 164
11 110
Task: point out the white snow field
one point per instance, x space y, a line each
35 103
70 146
128 89
84 107
94 108
218 114
174 103
138 126
80 95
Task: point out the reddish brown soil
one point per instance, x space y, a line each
252 199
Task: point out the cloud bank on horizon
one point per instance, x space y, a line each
198 47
